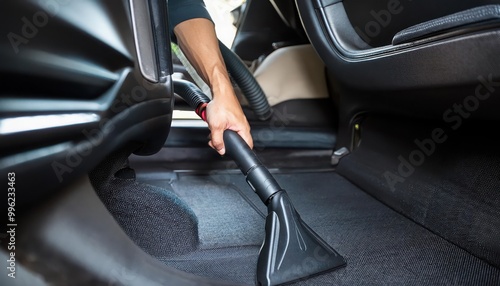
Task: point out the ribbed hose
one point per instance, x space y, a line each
191 93
247 83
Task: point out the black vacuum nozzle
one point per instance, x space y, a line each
291 250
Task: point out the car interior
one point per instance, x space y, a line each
377 117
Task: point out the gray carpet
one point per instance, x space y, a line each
453 191
154 218
224 217
381 246
236 264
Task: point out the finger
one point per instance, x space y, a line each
212 146
218 141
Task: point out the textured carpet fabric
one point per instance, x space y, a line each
224 217
230 231
212 225
235 264
154 218
451 187
381 246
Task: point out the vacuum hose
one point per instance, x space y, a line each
192 95
247 83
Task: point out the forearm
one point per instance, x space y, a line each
198 41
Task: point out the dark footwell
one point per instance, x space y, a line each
381 246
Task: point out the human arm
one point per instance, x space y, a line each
198 41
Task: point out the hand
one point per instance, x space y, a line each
226 113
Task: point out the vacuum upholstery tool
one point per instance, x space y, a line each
291 250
